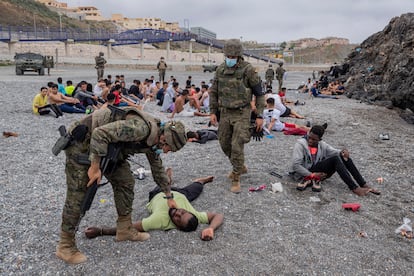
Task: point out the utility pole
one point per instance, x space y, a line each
60 23
34 24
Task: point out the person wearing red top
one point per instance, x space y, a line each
314 160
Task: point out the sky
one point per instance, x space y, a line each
265 21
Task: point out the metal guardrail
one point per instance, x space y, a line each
26 34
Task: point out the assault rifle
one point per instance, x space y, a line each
117 113
107 165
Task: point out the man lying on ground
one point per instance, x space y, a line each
202 136
272 121
284 110
184 218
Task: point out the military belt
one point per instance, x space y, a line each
236 108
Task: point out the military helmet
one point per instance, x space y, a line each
175 135
233 47
280 63
101 53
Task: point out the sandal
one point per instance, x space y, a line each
316 186
303 185
276 174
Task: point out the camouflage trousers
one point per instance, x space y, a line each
269 81
100 72
233 133
161 73
280 81
121 179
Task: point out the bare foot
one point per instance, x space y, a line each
361 191
204 180
93 232
371 190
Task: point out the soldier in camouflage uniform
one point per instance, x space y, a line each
139 133
235 82
162 67
280 71
49 63
100 62
270 76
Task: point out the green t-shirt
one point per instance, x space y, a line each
69 90
159 218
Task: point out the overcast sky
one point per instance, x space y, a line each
265 20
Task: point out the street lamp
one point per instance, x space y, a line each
34 24
187 24
60 22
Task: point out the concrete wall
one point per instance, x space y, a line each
125 56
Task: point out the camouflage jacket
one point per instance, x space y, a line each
100 62
270 74
232 88
161 65
280 71
137 134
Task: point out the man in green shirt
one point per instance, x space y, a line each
184 218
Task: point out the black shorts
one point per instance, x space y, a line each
286 113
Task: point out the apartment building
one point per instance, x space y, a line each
145 23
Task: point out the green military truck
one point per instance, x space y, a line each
32 62
209 68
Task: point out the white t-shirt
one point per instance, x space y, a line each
278 102
206 101
269 114
97 90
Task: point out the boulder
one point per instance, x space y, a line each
381 69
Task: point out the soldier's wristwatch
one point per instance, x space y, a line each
169 197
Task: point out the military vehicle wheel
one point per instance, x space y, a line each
19 71
42 71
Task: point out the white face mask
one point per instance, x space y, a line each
230 62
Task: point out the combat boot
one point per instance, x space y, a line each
126 232
235 183
67 250
243 171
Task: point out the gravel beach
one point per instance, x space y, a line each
264 233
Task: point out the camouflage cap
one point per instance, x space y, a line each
233 47
175 135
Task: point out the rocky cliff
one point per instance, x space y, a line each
381 69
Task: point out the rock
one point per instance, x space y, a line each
382 68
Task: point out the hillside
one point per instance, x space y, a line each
324 54
26 13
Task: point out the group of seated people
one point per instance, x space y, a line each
85 97
56 98
188 102
321 87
